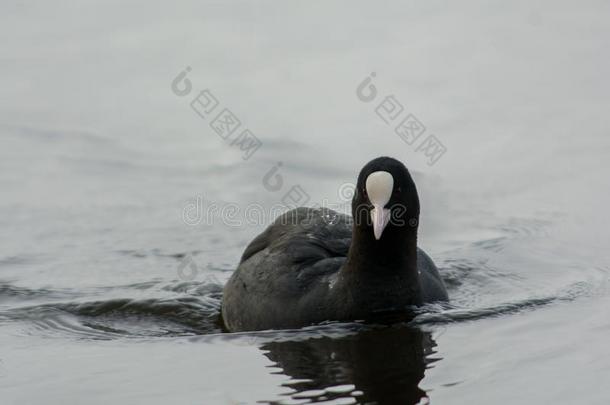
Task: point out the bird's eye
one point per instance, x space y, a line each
364 193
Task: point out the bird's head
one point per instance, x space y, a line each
385 202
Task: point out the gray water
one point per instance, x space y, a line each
111 279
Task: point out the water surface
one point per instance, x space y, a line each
107 295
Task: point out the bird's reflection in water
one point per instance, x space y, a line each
377 366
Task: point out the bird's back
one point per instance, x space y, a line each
290 260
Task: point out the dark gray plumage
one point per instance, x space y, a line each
314 265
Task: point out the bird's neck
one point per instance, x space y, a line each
394 254
381 275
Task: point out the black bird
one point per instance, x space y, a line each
314 265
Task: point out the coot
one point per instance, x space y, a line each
314 264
